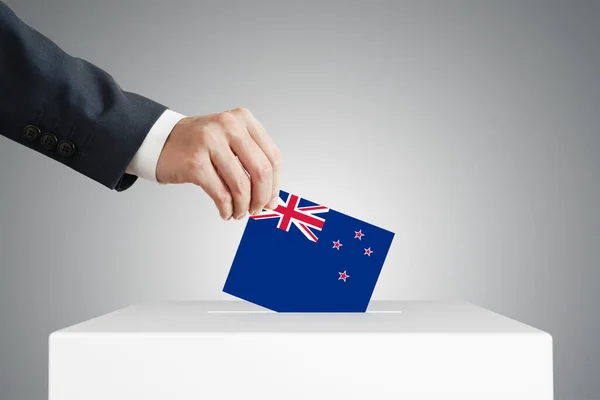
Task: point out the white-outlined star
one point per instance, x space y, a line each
343 275
337 245
368 252
358 235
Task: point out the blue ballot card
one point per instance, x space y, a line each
306 257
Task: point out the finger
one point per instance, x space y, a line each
259 168
271 205
212 183
265 142
234 177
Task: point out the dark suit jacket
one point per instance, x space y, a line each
67 108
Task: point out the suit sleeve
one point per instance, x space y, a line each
68 109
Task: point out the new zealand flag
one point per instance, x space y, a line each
305 257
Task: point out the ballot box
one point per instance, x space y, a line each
236 351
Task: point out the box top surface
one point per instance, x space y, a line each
236 316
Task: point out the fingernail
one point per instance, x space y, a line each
228 218
240 217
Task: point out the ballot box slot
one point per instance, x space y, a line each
273 312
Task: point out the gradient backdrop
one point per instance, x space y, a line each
469 128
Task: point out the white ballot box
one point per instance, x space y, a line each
237 351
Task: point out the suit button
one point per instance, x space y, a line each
66 148
31 132
49 141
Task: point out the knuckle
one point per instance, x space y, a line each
263 171
244 112
242 185
226 120
223 198
277 159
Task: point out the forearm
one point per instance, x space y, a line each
72 100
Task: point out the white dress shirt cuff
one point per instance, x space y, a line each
145 160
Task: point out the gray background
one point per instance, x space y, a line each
471 129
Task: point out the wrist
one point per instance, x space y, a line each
145 162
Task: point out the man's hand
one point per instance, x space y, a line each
229 155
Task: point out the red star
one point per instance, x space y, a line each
358 235
337 245
343 275
368 252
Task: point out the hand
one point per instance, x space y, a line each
229 155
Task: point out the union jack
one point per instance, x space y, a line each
289 213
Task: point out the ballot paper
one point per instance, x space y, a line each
307 257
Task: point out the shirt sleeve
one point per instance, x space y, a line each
145 160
